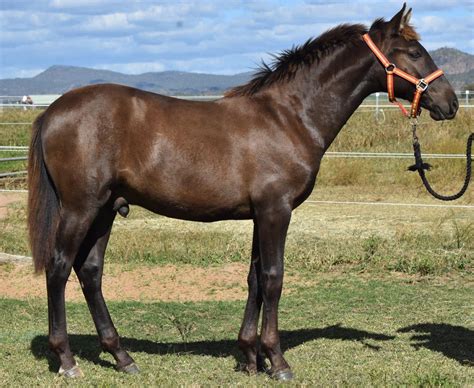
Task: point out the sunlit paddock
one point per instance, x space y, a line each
384 289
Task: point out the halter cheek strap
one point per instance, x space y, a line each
391 69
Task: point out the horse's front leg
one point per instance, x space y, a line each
248 331
272 228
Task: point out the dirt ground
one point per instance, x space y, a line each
8 198
163 283
144 283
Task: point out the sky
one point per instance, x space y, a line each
219 37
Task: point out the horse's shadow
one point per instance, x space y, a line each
86 346
456 342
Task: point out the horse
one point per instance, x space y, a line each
252 154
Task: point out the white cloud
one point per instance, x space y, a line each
23 38
219 36
108 22
80 3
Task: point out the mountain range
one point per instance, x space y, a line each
458 66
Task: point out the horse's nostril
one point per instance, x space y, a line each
455 105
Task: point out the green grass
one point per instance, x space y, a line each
13 165
345 331
14 134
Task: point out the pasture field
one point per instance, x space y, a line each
374 295
340 331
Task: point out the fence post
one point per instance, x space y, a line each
467 98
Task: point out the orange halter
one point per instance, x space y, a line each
391 69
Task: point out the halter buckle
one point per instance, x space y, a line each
389 69
422 85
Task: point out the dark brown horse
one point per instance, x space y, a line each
253 154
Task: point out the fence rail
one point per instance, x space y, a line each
13 148
12 159
12 173
466 98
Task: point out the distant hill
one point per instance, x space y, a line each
453 61
458 66
60 79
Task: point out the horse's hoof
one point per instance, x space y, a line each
72 373
131 369
283 375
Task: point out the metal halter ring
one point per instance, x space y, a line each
422 85
390 68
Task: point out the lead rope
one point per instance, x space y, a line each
420 166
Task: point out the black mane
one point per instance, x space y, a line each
288 62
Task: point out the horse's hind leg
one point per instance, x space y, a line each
89 268
72 228
248 330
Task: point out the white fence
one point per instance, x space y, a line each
376 101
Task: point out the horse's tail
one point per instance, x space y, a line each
43 203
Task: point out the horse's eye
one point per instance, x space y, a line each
414 54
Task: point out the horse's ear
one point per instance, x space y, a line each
396 24
405 19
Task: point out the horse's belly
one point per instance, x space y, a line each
198 202
195 212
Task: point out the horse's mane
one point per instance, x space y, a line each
285 65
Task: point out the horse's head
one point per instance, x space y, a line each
400 43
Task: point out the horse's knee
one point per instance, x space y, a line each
272 281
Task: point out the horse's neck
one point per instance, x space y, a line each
331 90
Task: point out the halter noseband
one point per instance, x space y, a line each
391 69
